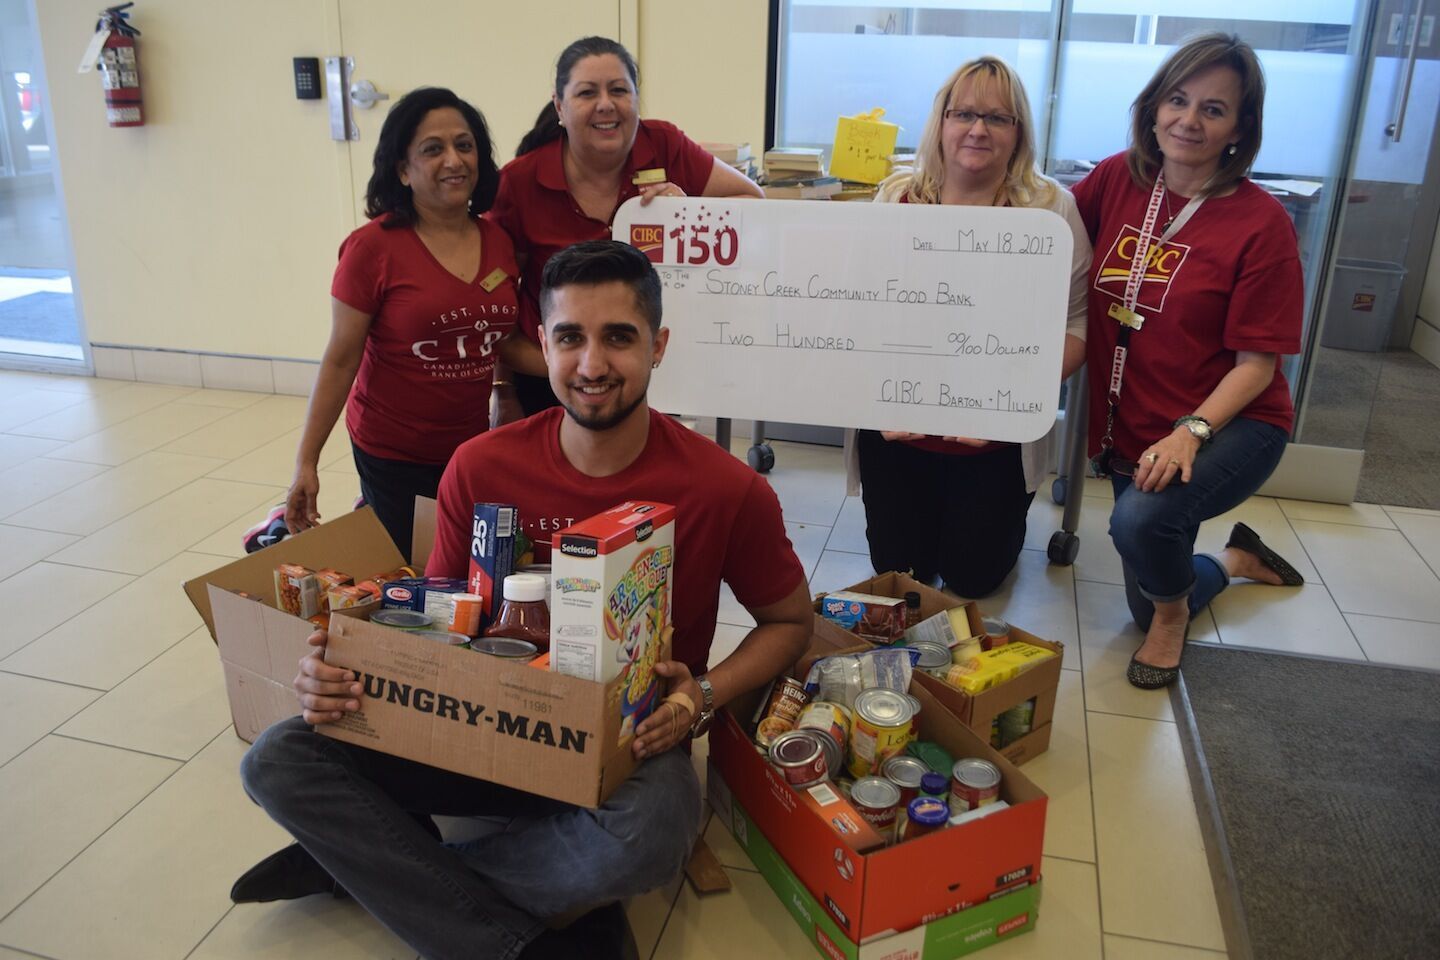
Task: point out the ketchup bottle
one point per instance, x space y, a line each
523 614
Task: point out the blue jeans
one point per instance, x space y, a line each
355 811
1154 533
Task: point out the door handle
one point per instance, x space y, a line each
1395 129
364 95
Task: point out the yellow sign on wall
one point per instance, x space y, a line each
863 144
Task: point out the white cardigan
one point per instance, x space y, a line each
1032 454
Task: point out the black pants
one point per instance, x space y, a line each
534 393
390 487
962 517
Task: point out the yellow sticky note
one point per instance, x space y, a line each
863 145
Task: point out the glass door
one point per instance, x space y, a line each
37 304
1366 388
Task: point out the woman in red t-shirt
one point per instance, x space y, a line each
588 153
944 505
422 303
1196 292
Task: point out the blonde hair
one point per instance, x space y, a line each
1025 185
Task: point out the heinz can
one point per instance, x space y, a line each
906 773
973 784
878 801
800 756
787 698
881 730
833 720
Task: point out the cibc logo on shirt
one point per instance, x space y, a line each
1162 264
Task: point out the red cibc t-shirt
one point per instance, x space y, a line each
1227 281
727 519
535 207
423 387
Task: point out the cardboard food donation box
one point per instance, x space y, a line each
979 710
260 646
943 938
898 887
487 717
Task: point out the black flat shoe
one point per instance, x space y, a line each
287 874
1146 677
1243 538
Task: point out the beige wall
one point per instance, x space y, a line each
214 227
1430 296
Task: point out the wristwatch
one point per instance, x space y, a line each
1198 426
707 708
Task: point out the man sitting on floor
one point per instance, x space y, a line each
362 818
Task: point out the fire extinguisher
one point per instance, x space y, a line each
119 64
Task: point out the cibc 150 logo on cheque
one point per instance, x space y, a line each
701 233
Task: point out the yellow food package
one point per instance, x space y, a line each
1022 655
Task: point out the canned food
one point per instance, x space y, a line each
877 800
402 619
1017 721
915 718
997 632
906 773
787 699
443 636
973 784
923 815
833 720
881 730
506 648
934 655
800 756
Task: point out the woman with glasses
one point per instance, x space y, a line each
954 506
1196 294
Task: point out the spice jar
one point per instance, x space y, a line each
912 609
523 614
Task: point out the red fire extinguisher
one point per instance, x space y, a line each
119 64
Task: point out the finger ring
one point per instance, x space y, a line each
1174 463
1151 457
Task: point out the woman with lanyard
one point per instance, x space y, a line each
421 303
1196 292
946 505
588 154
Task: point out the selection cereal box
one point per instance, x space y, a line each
610 600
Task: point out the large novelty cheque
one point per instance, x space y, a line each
947 320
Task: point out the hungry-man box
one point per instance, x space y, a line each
901 886
260 646
449 707
979 710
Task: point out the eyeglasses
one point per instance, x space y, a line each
992 121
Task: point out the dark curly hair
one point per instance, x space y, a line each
386 194
593 262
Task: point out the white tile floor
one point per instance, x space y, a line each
122 821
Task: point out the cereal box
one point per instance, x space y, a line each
610 600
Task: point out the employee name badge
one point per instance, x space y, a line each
647 178
703 233
1126 317
92 52
493 279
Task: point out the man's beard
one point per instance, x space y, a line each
604 421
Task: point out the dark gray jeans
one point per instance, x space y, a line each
353 810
